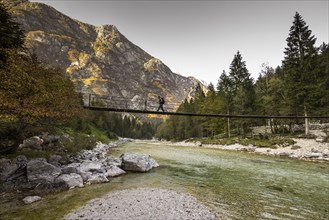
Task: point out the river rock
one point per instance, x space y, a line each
68 170
39 170
55 160
313 150
97 178
92 166
198 144
251 148
75 165
87 155
320 139
71 180
19 175
113 171
32 143
284 154
137 162
113 161
295 147
325 153
20 160
85 175
49 138
7 168
312 155
31 199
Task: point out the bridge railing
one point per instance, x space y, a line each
119 102
140 105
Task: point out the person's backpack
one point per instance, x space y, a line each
162 101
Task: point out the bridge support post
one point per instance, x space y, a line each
145 104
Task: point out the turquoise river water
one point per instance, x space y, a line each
236 185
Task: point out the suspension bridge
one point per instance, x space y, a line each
145 106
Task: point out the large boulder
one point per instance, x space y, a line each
72 180
137 162
38 170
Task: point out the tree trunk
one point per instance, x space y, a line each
307 128
271 125
228 125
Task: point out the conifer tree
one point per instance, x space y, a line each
322 74
299 65
226 90
243 90
11 34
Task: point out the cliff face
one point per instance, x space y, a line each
100 60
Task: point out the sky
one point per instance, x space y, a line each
200 38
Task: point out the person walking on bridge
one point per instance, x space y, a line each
161 103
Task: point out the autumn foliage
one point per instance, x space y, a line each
31 93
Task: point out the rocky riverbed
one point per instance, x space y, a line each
144 203
42 176
304 149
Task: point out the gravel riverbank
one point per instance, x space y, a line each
304 149
143 203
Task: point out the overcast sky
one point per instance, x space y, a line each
200 38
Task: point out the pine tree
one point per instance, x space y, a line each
322 72
239 72
299 65
226 91
11 34
243 90
300 43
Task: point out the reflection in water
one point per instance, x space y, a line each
237 185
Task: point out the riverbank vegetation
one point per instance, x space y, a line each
299 87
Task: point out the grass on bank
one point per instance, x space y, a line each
71 141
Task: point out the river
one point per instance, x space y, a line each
236 185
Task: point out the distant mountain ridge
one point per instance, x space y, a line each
99 60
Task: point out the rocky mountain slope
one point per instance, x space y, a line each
100 60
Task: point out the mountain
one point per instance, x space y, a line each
100 60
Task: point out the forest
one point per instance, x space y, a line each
299 87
